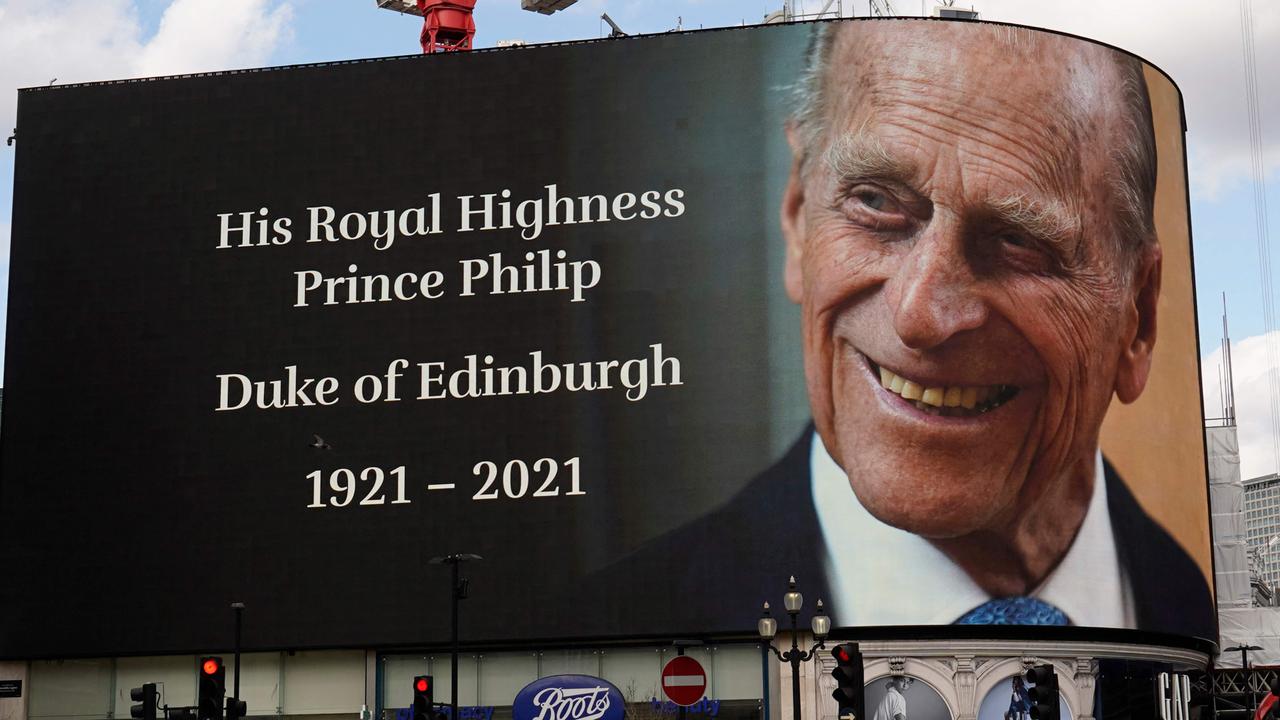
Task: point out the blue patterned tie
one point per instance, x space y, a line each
1014 611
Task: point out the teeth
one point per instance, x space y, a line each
933 400
953 396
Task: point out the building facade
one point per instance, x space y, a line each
951 679
1262 522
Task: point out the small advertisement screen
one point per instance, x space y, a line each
902 309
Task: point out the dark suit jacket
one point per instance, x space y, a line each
715 572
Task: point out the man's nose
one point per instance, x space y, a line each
933 295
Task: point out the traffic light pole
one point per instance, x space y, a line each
1043 692
457 591
239 610
849 675
453 666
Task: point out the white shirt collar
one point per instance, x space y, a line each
881 575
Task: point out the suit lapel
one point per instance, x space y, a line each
1169 591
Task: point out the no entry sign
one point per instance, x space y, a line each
683 680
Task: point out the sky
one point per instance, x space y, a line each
1197 43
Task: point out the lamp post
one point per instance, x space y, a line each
458 591
767 626
1248 676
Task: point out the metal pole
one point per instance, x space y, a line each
1213 693
764 677
794 656
239 608
683 710
1248 678
453 671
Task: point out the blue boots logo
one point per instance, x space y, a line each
568 697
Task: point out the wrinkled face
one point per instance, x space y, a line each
951 241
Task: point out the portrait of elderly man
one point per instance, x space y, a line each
969 236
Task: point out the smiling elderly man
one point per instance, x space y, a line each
969 235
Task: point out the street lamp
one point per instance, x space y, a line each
1244 667
457 592
767 626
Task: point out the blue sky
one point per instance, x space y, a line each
1197 43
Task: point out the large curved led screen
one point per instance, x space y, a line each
901 308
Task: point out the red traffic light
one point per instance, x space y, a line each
842 653
422 685
210 666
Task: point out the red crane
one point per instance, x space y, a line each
447 25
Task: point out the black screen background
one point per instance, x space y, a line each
132 514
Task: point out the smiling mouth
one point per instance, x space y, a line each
949 401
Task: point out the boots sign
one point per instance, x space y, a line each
568 697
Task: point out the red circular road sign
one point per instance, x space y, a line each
683 680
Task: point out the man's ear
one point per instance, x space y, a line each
1135 357
792 215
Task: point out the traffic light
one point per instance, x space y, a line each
423 700
145 710
849 683
213 688
1042 688
235 709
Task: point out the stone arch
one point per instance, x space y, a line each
998 670
931 671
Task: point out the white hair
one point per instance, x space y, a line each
1131 179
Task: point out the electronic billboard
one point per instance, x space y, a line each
901 308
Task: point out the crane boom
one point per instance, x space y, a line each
883 8
406 7
546 7
617 31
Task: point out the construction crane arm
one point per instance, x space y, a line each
406 7
617 31
883 8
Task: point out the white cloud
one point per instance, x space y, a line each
87 40
194 36
72 41
1250 363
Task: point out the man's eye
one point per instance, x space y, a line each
1024 252
874 208
873 199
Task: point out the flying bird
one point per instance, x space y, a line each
320 444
